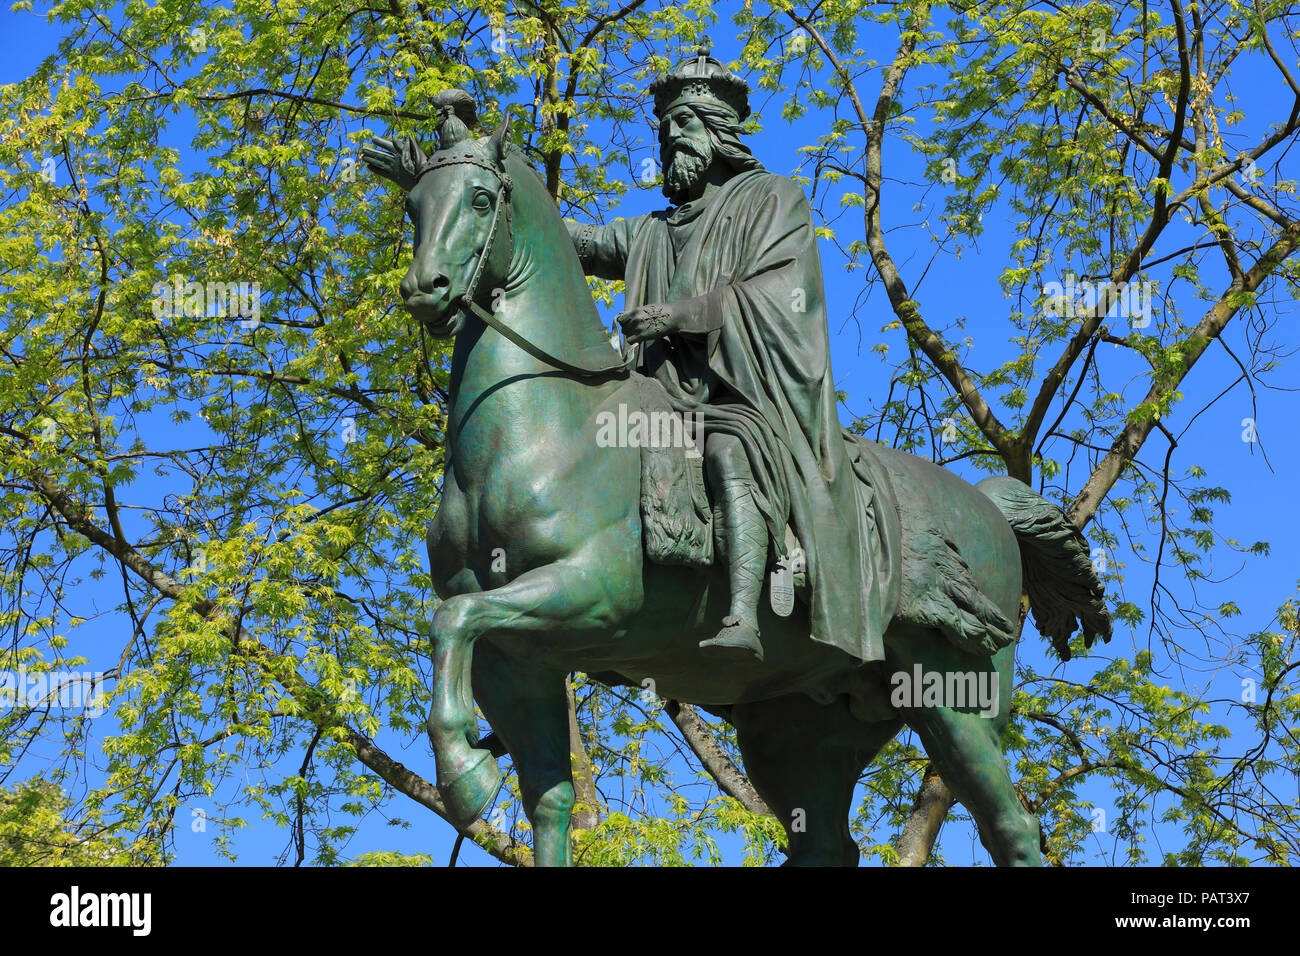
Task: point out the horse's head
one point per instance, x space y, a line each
459 203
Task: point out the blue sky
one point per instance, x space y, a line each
1261 508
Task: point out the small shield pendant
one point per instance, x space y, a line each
781 590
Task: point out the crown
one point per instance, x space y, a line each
701 78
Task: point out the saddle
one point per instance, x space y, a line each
676 518
925 580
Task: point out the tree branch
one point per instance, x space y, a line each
1130 440
587 803
931 806
700 739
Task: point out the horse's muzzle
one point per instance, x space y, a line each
437 313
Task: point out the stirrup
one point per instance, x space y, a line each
735 639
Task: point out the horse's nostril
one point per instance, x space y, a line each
439 282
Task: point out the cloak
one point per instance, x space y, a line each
748 253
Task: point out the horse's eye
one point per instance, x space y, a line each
481 202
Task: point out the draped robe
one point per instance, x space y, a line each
748 254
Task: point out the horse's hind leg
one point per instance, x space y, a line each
805 759
528 709
966 746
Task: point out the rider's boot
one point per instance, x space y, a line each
743 544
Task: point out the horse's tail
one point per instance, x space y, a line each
1064 591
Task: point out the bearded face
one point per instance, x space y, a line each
687 156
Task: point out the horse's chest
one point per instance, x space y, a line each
528 483
497 517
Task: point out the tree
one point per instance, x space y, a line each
1116 115
34 832
213 408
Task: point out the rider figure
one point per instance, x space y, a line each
724 299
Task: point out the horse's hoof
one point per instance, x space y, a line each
468 794
735 642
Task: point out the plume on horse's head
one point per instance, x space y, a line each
401 159
457 116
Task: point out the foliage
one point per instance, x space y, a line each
34 831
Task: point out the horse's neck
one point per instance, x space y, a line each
546 300
546 293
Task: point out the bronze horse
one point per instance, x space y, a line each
536 552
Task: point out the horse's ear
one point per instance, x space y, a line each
412 156
400 160
499 141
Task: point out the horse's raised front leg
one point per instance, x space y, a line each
564 599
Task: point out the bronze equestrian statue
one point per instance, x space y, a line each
893 586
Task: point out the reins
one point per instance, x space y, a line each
469 298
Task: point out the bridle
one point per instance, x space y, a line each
469 298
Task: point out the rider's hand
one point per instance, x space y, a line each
647 322
695 317
400 160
